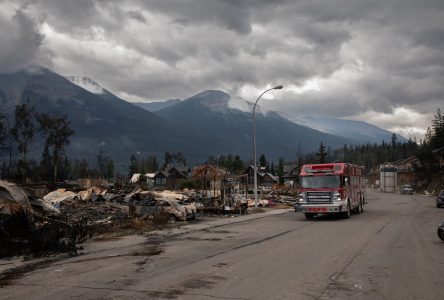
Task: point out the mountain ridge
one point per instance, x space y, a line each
275 135
199 126
357 132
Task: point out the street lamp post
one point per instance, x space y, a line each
278 87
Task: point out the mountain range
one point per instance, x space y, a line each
203 125
156 106
357 132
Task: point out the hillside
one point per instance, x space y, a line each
209 113
99 120
358 132
199 126
156 106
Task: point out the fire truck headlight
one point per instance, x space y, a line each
336 196
302 197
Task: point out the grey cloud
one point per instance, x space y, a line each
136 15
20 42
67 15
233 15
367 55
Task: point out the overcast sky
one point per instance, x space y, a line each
380 61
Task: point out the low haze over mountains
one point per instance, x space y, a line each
356 131
202 125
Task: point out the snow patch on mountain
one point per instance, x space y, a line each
246 106
87 84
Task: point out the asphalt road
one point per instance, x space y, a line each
391 251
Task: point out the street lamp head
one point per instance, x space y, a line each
278 87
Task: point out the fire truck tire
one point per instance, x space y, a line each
346 214
309 215
361 207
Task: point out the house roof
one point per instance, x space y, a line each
161 174
261 174
275 178
247 170
180 169
136 176
219 171
410 159
290 167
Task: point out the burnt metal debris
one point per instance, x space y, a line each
58 221
35 222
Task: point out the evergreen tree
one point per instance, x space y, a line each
262 161
57 132
437 135
179 159
152 165
84 170
167 159
134 165
280 169
322 154
428 136
238 165
23 133
299 157
211 160
102 161
45 163
110 169
394 140
5 145
3 130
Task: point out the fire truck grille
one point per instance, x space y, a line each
319 197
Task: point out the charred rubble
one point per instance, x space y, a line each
36 223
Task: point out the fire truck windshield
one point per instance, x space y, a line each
320 182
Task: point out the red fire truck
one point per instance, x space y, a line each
330 189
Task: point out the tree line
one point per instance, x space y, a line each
17 136
373 155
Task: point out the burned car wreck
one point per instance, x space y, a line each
142 203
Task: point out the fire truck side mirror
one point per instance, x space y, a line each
347 180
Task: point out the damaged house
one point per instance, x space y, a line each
147 178
265 180
211 178
170 178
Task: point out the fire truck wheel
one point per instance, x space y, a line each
360 208
346 214
309 215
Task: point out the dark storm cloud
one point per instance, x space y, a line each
340 58
20 41
233 15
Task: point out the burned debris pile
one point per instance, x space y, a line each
33 224
37 221
39 226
